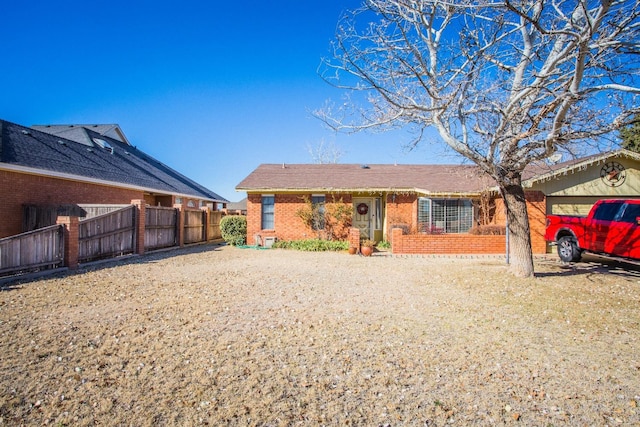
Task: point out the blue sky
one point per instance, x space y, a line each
211 89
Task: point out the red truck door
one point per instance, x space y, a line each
624 232
602 234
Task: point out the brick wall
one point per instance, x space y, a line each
18 189
402 209
288 226
536 209
446 243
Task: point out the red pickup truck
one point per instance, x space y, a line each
611 228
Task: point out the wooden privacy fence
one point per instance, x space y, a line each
35 250
160 227
194 226
108 235
133 229
214 225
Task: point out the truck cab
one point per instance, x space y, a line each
611 228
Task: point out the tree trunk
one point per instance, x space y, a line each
520 253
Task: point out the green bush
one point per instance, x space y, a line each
234 229
384 245
312 245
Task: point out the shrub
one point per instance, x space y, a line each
384 245
234 229
330 220
488 230
312 245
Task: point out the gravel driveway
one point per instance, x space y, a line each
216 335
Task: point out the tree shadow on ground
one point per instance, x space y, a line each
590 264
13 282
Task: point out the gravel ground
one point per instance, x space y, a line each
226 336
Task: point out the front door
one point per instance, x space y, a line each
362 212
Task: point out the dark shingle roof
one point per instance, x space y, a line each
117 163
428 179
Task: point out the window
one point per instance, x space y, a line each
444 215
608 211
317 208
268 205
631 213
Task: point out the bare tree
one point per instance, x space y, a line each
505 83
325 152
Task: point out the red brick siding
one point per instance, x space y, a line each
536 209
287 225
17 189
402 209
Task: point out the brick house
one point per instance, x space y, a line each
67 165
432 208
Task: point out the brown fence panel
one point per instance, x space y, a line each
214 225
92 211
35 250
193 226
108 235
160 227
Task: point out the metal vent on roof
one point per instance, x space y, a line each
62 142
103 144
364 166
25 132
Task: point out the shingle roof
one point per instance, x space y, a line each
77 132
117 163
427 179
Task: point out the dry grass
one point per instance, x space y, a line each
225 336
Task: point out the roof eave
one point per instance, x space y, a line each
391 190
80 178
580 165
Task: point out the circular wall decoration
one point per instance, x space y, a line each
363 208
613 174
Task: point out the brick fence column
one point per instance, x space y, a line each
140 224
179 224
71 226
207 223
354 238
396 240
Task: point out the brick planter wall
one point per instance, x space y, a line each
446 243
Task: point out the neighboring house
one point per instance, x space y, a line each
430 200
84 164
236 208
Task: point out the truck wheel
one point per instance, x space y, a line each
568 249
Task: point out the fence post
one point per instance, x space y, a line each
207 222
140 219
179 224
71 226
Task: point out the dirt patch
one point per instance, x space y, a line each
221 335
